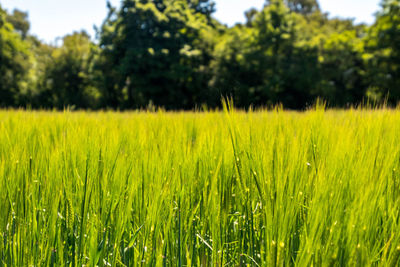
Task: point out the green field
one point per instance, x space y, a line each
275 188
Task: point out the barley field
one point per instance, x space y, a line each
229 188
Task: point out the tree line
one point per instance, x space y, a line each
175 54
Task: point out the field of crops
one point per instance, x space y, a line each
229 188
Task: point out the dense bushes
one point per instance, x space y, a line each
174 54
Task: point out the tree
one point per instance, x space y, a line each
15 62
250 16
20 22
68 77
206 7
340 51
233 74
159 49
262 63
383 46
304 7
342 69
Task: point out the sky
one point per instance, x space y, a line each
55 18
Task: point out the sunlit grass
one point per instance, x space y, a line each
200 189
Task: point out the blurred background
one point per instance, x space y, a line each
50 19
186 54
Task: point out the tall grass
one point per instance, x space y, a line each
271 188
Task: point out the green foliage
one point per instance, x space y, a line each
206 7
289 58
160 51
43 60
383 47
20 22
263 63
68 79
343 70
304 7
174 54
15 61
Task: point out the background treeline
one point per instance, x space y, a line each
175 54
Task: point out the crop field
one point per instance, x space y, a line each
229 188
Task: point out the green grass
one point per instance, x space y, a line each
200 189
